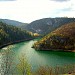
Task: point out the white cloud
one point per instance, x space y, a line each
29 10
59 0
7 0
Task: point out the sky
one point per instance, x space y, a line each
29 10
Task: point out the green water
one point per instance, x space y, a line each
43 58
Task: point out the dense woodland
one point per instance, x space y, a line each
11 34
62 38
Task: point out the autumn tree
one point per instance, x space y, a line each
23 67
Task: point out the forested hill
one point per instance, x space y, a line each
46 25
11 34
41 26
62 38
13 22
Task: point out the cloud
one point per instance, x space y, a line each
60 0
30 10
7 0
66 9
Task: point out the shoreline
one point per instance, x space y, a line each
19 41
15 42
61 50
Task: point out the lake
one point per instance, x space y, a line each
42 58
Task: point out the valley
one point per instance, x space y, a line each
47 44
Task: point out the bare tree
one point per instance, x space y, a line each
7 62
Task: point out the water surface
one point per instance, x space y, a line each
43 58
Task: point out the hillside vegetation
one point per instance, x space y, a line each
41 26
62 38
13 22
11 34
47 25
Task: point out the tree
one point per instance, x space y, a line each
7 62
23 67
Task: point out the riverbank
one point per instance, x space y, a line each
62 63
61 50
15 42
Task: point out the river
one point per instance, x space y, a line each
42 58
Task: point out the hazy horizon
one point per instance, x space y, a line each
29 10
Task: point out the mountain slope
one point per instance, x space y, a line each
62 38
46 25
11 34
12 22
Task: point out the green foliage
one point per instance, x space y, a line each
23 67
11 34
62 38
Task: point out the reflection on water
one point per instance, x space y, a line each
36 58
